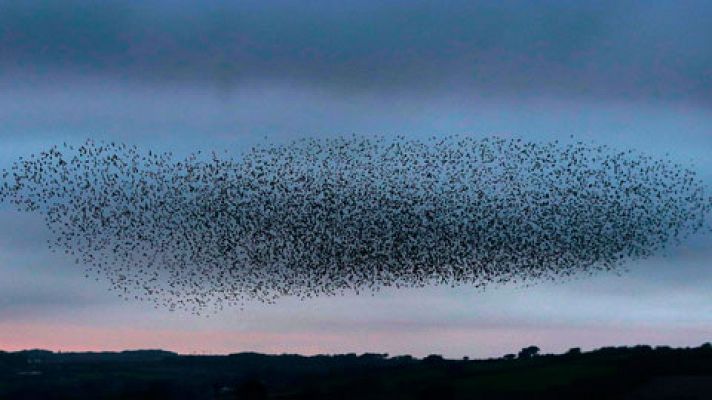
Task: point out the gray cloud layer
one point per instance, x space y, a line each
149 72
606 49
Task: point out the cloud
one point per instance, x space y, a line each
592 49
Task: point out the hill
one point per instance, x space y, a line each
640 372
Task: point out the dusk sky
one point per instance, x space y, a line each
185 76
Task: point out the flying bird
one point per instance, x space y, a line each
349 214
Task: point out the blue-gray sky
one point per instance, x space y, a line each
184 76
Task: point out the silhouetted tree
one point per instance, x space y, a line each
433 359
403 359
529 352
574 351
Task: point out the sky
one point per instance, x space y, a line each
185 76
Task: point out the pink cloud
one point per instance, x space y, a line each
477 342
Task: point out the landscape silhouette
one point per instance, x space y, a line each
634 373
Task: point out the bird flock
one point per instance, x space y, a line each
350 214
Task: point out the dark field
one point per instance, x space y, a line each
639 372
